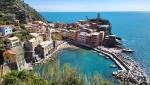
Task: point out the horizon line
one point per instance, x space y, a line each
94 11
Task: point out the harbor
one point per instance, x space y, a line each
130 71
89 62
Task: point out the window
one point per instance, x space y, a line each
7 58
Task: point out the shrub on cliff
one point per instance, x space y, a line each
23 78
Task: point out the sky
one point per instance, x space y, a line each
89 5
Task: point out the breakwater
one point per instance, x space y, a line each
130 71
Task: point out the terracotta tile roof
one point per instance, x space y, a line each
9 52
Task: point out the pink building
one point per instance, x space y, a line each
90 39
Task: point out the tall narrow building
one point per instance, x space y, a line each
48 30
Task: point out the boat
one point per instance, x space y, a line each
94 51
113 66
127 50
100 54
107 57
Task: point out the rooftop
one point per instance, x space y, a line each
84 34
3 26
95 33
9 52
105 26
13 38
34 34
45 43
32 40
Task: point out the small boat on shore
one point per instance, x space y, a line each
113 66
94 51
100 54
127 50
107 57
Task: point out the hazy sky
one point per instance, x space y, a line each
89 5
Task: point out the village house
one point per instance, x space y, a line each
82 37
56 35
92 39
16 46
72 35
110 41
106 29
101 37
64 33
14 41
46 35
41 26
44 49
6 30
30 45
10 58
32 28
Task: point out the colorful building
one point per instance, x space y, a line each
57 35
44 49
106 29
81 37
16 46
5 30
72 35
30 46
14 41
9 56
89 39
101 37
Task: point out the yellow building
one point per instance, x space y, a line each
9 56
57 35
72 35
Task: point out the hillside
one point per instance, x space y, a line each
22 11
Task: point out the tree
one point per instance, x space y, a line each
23 78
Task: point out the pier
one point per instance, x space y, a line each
130 72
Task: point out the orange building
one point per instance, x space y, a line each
9 56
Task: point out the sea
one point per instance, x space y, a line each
132 27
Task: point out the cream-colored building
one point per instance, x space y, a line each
16 46
44 49
30 46
14 41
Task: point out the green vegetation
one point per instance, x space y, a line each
22 11
1 45
23 78
54 76
69 76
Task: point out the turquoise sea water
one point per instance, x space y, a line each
133 27
88 61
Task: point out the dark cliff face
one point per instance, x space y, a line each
22 11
